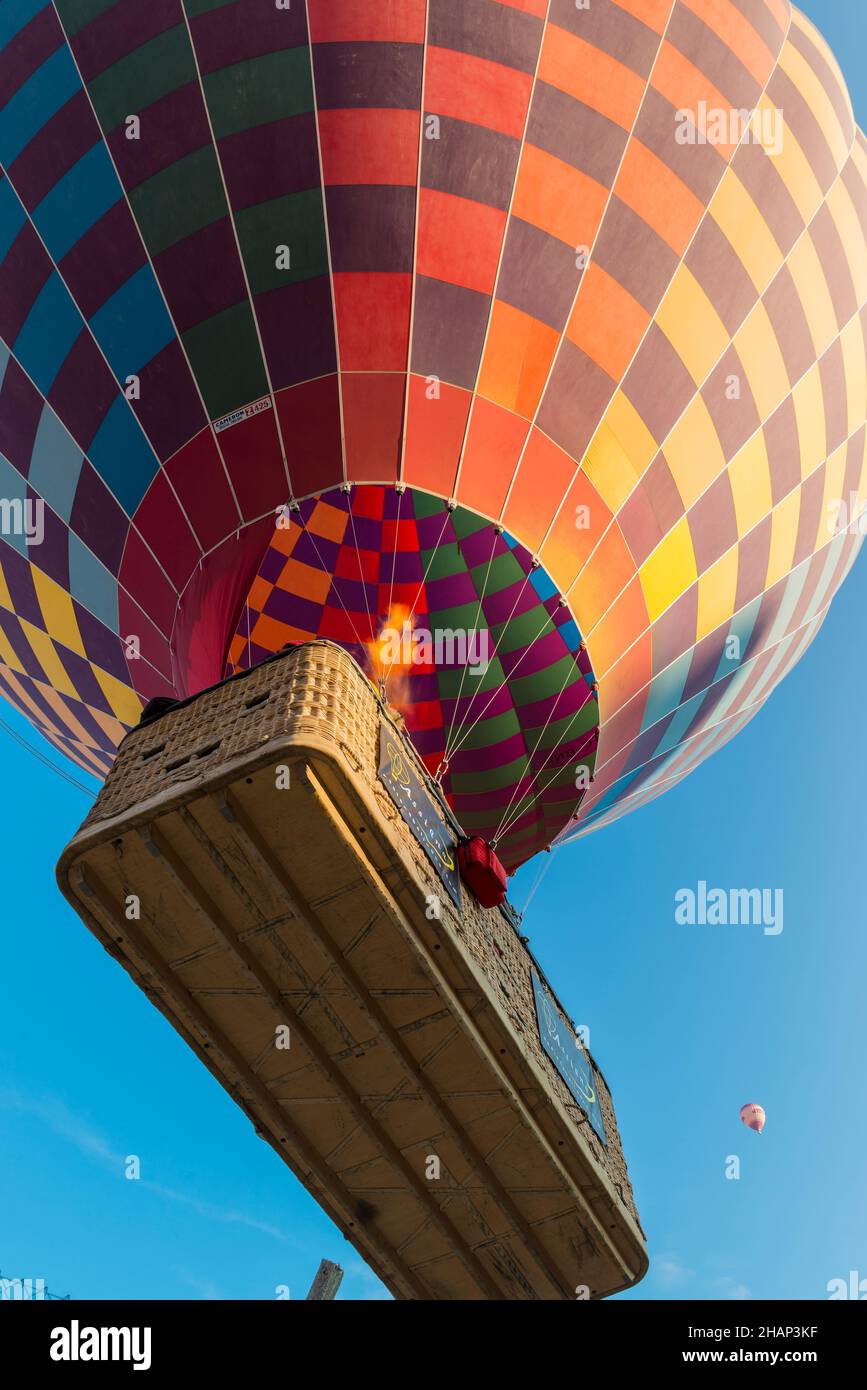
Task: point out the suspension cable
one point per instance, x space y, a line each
570 673
67 777
423 580
348 489
503 683
516 815
445 757
394 548
325 570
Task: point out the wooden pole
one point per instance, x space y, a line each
328 1279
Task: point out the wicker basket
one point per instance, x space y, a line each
415 1099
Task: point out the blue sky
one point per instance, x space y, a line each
687 1023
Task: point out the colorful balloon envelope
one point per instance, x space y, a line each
518 347
753 1116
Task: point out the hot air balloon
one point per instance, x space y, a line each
536 329
753 1116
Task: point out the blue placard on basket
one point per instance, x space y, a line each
566 1053
419 810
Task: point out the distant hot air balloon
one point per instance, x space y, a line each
502 322
753 1116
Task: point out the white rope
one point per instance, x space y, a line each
555 846
570 674
537 883
450 752
348 487
433 556
325 570
445 757
67 777
394 549
517 814
503 683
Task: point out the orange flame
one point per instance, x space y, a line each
391 657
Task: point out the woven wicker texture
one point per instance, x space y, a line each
165 792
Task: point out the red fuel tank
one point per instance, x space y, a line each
482 871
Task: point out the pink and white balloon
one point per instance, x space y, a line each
753 1116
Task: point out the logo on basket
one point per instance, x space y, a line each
419 810
398 768
443 855
564 1049
399 773
553 1029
